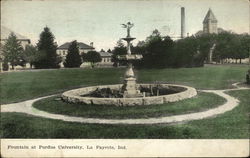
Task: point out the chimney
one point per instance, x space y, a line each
182 22
91 44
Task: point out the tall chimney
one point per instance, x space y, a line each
182 22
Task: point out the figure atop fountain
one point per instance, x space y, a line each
129 25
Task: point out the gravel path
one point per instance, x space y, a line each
231 102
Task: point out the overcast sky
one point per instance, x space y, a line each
99 21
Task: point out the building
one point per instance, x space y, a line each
5 32
210 23
106 59
83 48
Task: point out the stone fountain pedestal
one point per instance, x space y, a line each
129 88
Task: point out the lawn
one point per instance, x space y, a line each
233 124
199 103
19 86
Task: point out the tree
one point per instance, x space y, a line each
73 58
30 54
158 51
245 46
47 50
205 43
109 51
186 53
13 51
156 35
119 49
92 57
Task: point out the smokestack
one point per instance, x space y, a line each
182 22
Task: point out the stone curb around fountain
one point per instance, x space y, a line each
74 96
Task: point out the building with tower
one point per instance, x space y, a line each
210 23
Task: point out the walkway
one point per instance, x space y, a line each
231 102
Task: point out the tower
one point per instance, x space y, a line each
182 22
210 23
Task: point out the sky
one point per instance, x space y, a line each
99 21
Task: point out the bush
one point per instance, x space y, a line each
92 57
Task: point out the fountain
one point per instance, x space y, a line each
129 93
129 89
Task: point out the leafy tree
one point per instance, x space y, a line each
205 43
157 52
231 45
245 46
187 54
92 57
119 49
156 35
47 49
73 58
31 54
109 51
13 51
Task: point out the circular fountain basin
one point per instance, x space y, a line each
77 95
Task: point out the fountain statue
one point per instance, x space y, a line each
129 93
129 88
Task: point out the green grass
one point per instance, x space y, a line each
232 124
199 103
19 86
209 77
16 125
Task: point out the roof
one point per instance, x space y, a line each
210 16
80 45
5 32
105 54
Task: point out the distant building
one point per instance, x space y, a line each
83 48
5 32
106 59
210 23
